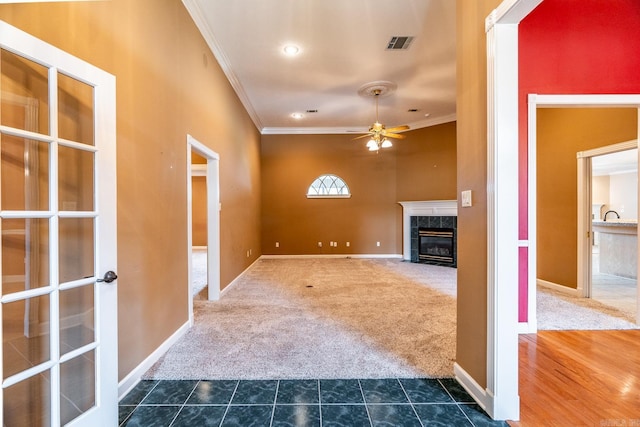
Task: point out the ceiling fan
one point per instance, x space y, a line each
379 134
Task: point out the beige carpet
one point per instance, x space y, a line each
559 311
322 318
343 318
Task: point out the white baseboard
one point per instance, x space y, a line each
565 289
530 327
134 376
482 396
394 256
238 277
478 393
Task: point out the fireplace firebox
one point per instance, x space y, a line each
434 240
436 244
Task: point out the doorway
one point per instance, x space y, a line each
203 220
584 173
199 221
609 188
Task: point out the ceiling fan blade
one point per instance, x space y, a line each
397 128
366 135
393 135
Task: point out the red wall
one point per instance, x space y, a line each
573 47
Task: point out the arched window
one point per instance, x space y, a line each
328 186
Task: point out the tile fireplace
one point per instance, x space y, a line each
430 232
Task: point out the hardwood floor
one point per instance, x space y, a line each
580 378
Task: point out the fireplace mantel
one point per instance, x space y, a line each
422 208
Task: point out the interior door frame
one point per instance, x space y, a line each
212 174
584 211
585 229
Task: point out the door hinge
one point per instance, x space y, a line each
588 234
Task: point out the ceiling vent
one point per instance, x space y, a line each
399 43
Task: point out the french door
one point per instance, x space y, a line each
58 237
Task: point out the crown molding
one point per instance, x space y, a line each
197 15
353 129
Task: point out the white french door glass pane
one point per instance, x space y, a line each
75 179
27 403
24 93
76 318
24 168
76 249
77 386
75 110
25 254
25 334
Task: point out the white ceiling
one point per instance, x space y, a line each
615 163
342 47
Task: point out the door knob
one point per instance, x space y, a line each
109 277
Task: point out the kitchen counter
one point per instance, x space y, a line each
616 226
618 246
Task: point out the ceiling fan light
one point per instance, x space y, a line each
386 143
373 148
372 144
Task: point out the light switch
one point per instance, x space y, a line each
466 198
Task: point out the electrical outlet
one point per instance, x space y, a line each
247 254
319 244
348 244
277 244
377 243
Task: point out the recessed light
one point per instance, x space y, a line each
427 115
297 116
291 50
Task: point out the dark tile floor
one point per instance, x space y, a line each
380 402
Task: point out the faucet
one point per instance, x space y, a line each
605 215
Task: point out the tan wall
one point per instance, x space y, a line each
426 164
168 85
471 105
199 211
561 134
198 204
420 167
